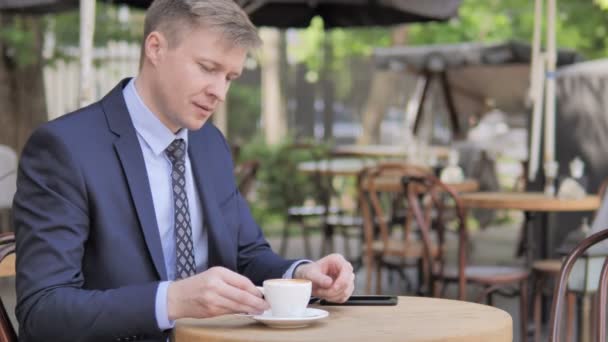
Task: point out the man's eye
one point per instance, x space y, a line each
206 68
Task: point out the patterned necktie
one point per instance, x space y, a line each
183 230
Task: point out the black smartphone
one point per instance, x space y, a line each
365 301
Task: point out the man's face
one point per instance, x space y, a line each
191 79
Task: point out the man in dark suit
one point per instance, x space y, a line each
127 215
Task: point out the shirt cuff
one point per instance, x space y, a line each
162 315
289 273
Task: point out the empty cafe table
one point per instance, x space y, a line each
530 203
413 319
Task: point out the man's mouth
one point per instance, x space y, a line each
207 109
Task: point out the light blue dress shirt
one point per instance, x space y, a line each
154 137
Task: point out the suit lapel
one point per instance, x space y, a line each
221 244
132 161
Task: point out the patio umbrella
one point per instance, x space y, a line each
471 74
37 6
347 13
335 13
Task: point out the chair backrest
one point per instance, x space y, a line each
436 197
7 332
562 284
245 174
376 200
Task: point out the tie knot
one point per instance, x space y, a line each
176 151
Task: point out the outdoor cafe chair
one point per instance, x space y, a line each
307 217
7 331
428 197
384 248
542 272
562 286
245 173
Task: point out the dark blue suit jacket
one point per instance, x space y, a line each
89 256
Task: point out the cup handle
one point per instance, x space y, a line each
261 289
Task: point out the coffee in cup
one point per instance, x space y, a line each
287 297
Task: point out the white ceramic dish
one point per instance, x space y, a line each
311 315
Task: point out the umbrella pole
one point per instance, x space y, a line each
537 117
550 165
535 94
87 30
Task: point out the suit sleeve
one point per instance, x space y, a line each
51 223
256 260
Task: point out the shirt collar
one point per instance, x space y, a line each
148 126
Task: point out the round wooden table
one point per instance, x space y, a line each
413 319
527 201
530 203
336 167
385 151
393 184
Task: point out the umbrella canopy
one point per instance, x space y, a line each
475 72
294 13
37 6
347 13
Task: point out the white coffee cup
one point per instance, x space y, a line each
287 297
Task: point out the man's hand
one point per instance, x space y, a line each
217 291
332 277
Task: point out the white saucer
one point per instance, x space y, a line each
310 316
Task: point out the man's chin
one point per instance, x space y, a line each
196 125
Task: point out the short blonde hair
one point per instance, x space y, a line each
174 18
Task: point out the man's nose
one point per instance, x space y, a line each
218 88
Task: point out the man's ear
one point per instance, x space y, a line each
155 47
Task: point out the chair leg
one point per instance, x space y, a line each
368 274
538 296
570 307
378 277
347 253
593 321
284 238
306 240
423 280
490 299
523 310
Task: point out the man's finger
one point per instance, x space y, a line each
320 279
343 280
241 282
242 300
225 305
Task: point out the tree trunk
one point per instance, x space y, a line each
382 91
305 110
273 108
22 98
87 31
327 86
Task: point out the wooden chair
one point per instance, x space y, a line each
7 332
542 272
245 173
562 286
382 249
307 217
428 198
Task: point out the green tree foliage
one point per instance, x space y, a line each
581 25
108 26
18 40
